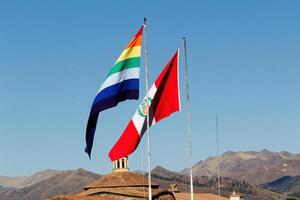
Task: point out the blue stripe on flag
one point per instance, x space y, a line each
130 84
103 105
114 100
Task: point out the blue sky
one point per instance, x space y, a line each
244 64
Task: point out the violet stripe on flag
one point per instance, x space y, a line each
164 99
121 83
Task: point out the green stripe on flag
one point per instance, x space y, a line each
125 64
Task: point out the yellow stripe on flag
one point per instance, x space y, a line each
130 53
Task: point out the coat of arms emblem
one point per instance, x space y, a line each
143 108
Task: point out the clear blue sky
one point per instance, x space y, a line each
244 59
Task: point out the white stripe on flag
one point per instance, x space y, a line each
131 73
137 119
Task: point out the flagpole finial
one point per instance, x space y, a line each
145 20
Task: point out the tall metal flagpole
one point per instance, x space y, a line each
147 103
217 133
189 117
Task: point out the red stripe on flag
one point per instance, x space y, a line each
168 97
126 144
136 40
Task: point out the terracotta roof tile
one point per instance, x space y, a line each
121 179
198 196
127 191
68 197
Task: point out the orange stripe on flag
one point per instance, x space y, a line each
137 41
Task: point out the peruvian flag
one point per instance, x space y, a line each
163 100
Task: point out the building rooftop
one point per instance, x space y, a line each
121 179
69 197
198 196
235 194
132 192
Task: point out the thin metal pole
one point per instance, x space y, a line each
147 103
189 117
217 133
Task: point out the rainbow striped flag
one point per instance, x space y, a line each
121 83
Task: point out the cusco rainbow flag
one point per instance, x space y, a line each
121 83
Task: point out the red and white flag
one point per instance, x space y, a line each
164 99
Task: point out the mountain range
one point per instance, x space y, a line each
262 175
210 185
286 184
64 182
254 167
23 181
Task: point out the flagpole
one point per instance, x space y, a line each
147 103
217 134
189 117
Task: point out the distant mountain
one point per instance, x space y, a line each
285 184
6 193
210 184
240 171
164 173
67 182
266 166
23 181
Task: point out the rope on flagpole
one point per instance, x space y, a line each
189 117
147 103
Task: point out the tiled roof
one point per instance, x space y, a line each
68 197
121 179
125 191
198 196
